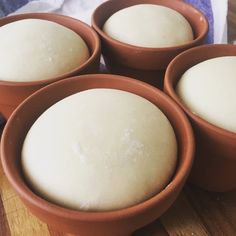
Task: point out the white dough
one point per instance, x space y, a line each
34 49
100 149
148 25
208 89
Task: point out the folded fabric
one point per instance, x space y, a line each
7 7
205 7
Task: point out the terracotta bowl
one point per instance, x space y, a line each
140 62
214 168
12 93
112 223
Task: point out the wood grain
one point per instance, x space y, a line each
18 220
187 221
195 212
217 214
4 227
154 229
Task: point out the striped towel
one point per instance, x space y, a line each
7 7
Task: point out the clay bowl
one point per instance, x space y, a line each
139 62
12 93
111 223
214 168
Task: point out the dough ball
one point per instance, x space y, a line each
208 90
34 49
99 150
148 25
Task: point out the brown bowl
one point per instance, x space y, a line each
140 62
214 167
112 223
12 93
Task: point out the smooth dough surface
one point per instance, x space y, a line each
148 25
34 49
208 89
100 149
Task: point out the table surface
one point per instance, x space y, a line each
195 212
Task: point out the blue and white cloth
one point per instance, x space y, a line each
82 9
7 7
205 7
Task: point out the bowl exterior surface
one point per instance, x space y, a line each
113 223
11 94
130 60
214 167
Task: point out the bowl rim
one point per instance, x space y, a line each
169 88
93 53
29 196
151 49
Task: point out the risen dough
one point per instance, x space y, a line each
148 25
100 149
208 89
34 49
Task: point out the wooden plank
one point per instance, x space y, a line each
4 227
54 232
181 219
216 210
20 221
154 229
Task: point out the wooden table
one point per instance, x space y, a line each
195 213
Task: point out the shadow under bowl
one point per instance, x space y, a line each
111 223
214 167
13 93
